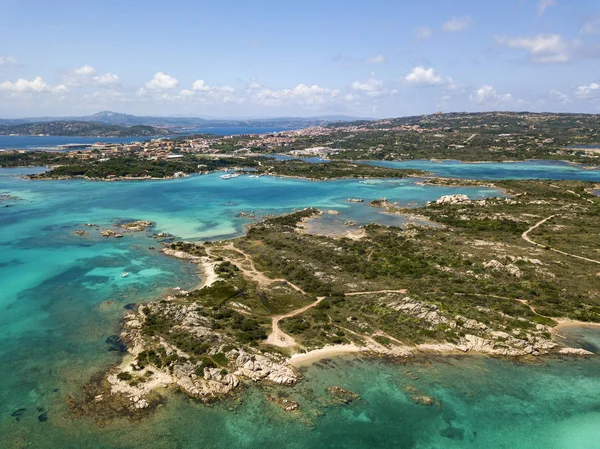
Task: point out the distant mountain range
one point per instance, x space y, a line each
79 128
184 123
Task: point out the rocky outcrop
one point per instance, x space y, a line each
258 367
195 377
575 351
110 233
214 384
477 336
453 199
510 268
426 312
284 403
137 225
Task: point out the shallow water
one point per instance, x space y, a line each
534 169
63 295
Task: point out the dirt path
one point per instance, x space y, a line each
279 338
250 271
403 290
525 237
574 193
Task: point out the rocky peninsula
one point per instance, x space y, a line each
278 298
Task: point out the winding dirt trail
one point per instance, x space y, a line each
525 237
279 338
249 270
403 290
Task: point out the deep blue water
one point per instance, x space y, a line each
62 295
36 142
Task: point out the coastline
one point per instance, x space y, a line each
206 268
310 357
565 323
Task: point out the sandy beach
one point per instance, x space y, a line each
310 357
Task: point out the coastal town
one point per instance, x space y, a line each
469 137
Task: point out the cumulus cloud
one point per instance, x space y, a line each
87 76
9 61
377 59
544 4
302 94
201 86
457 24
85 70
423 33
36 85
106 79
205 93
372 87
487 96
543 48
420 76
588 92
162 81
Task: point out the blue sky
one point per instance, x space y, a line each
261 58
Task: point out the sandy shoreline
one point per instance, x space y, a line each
206 268
310 357
564 323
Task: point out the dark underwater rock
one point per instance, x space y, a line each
115 344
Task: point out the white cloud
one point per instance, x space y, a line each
162 81
487 96
378 59
420 76
423 33
85 70
9 61
87 76
204 93
588 92
201 86
543 4
457 24
561 97
36 85
372 87
107 79
303 95
543 48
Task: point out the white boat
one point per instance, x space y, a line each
254 176
230 175
124 275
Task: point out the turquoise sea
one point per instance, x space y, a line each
62 296
532 169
